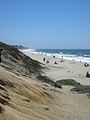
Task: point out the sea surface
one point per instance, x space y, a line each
82 55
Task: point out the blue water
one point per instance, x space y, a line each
80 55
72 52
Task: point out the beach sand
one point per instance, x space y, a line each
63 70
31 99
35 100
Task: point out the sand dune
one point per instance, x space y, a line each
24 97
28 99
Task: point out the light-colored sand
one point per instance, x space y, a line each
33 100
28 99
63 70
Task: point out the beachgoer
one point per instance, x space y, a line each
86 64
47 61
62 60
53 56
44 59
55 62
87 74
62 57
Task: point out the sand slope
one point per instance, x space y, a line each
27 101
34 100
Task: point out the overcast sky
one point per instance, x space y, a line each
45 23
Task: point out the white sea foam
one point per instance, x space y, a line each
65 56
28 50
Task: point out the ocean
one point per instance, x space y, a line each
82 55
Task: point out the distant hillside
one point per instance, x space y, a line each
18 61
19 47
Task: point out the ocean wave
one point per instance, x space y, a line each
29 50
76 57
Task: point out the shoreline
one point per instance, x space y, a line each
24 96
68 69
60 55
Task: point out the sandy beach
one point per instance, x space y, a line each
63 70
24 97
34 100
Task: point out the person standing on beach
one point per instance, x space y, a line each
44 59
47 61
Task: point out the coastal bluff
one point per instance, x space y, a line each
27 95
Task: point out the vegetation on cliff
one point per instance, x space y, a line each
12 54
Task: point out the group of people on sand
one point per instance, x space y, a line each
88 72
44 60
62 60
55 62
86 64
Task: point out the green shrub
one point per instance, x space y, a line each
68 82
48 80
77 86
81 89
46 108
32 65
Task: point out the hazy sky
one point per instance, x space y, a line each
45 23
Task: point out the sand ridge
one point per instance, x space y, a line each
30 99
27 99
